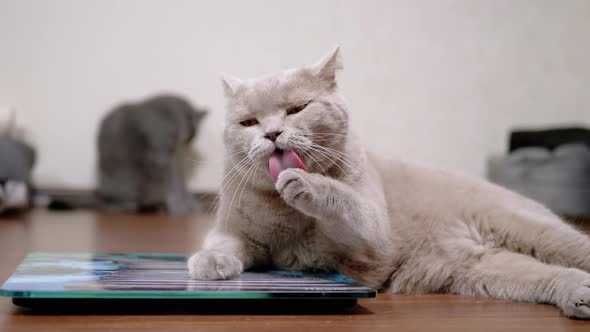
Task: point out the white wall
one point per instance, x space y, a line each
441 81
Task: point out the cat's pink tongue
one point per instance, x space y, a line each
280 161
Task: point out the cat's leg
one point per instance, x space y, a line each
345 213
113 203
117 191
502 274
119 207
224 256
542 235
352 220
178 199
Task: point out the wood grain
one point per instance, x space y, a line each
87 231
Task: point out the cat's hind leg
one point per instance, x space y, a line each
543 236
502 274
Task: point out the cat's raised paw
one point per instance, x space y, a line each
211 265
293 186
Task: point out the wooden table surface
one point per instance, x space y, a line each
86 231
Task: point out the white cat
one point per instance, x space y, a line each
391 224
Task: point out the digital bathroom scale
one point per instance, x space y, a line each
72 280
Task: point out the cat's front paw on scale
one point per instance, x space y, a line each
211 265
293 186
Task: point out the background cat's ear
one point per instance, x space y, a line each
327 67
230 84
199 114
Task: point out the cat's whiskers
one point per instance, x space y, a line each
327 156
301 144
307 146
330 139
329 136
236 173
228 179
236 152
310 155
345 155
229 209
338 155
339 152
250 178
343 159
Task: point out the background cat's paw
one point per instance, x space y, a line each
210 265
577 304
293 186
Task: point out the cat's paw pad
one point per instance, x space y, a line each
210 265
293 186
577 304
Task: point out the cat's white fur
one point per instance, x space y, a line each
391 224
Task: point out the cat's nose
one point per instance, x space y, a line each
273 135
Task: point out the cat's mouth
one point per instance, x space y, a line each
280 160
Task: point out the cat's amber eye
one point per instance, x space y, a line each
249 122
296 109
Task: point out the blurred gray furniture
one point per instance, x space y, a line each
558 178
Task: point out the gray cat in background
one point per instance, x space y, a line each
143 150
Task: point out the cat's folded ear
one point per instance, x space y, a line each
327 67
230 84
